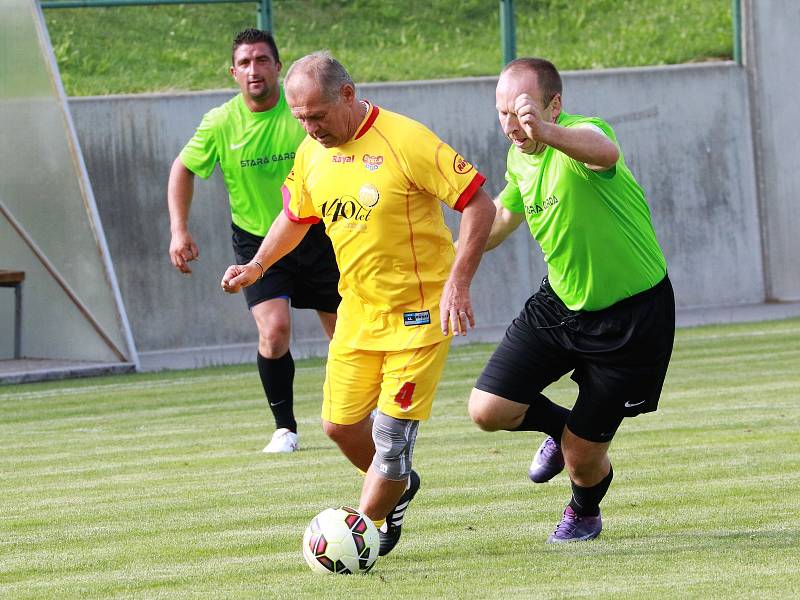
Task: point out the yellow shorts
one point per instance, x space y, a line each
401 384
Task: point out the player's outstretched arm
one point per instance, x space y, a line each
180 190
281 239
455 308
505 222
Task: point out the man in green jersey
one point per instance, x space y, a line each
605 311
253 138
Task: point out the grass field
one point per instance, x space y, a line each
160 48
153 485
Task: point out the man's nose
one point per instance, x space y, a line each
311 128
510 123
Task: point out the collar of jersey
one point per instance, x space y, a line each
369 119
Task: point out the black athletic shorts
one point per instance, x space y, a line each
308 275
618 356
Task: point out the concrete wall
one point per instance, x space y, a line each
771 49
681 130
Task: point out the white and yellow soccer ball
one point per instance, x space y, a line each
341 541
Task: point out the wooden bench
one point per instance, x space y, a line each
14 279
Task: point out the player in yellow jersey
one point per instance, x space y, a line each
376 179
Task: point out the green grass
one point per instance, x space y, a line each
153 485
163 48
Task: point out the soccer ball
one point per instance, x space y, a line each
342 541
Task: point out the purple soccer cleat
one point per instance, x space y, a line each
547 462
573 528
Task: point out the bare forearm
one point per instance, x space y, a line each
505 222
180 190
282 238
581 143
476 222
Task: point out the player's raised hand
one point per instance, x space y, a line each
238 276
182 249
529 115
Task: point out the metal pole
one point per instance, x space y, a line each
18 320
265 15
507 31
736 14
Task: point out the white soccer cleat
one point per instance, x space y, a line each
283 440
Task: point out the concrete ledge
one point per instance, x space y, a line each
747 313
207 356
29 370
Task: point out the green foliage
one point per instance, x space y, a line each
186 47
154 485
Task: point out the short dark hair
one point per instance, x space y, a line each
546 75
255 36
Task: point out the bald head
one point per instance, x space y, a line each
535 72
321 71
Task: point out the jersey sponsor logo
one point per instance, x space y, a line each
460 165
535 209
422 317
372 162
403 397
343 159
239 145
345 207
265 160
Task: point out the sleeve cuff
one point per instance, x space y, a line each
287 196
469 192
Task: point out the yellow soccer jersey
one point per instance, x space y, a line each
378 195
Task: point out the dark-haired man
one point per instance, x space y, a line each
253 137
606 310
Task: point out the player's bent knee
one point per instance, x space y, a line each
337 433
394 445
481 413
274 343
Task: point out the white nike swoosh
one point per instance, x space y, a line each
237 146
629 405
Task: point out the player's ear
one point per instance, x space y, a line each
347 92
555 105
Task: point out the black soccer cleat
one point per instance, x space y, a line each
390 531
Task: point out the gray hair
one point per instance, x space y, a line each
326 71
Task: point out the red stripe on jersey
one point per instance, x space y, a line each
368 123
469 193
287 196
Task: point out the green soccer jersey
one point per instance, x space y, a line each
594 227
255 151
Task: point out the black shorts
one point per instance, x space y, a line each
618 356
308 275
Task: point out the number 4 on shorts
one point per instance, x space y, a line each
403 397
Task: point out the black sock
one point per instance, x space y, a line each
544 415
277 377
586 501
